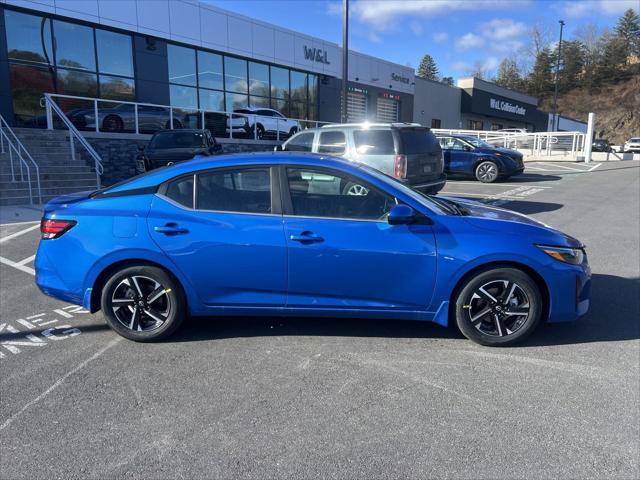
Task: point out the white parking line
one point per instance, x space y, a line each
457 182
483 195
594 167
18 223
22 268
27 260
17 234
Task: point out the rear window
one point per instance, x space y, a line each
374 142
333 143
178 140
417 140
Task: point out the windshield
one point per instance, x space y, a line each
476 142
178 140
423 199
635 140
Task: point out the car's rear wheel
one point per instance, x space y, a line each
498 307
143 303
260 132
487 172
112 123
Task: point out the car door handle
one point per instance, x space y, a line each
306 237
170 229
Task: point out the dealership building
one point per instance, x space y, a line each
186 54
475 104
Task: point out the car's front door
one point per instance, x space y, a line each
457 156
230 244
343 254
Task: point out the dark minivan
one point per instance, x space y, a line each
407 151
173 146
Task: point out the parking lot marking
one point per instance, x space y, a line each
500 184
26 260
17 234
19 223
29 325
17 266
36 316
59 382
562 167
594 167
63 313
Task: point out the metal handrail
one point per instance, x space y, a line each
171 109
15 145
73 132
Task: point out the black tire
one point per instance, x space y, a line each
504 323
112 123
487 171
293 131
123 288
260 133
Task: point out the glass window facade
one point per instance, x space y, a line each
53 56
64 57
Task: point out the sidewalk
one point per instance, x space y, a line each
20 213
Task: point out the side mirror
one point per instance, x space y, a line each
466 148
141 148
278 148
216 148
401 215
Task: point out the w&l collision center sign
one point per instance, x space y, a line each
507 107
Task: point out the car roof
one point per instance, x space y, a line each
371 124
160 175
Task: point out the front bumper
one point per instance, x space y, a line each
569 292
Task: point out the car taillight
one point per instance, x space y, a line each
51 229
400 166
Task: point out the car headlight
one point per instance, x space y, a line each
574 256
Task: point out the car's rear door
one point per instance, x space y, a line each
226 237
342 253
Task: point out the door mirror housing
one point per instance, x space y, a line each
216 148
141 148
467 148
401 215
278 148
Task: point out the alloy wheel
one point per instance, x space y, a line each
487 172
498 308
358 190
141 303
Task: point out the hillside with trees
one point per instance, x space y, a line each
599 71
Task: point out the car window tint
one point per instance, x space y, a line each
374 142
317 193
178 140
181 191
417 140
333 143
300 143
265 113
247 190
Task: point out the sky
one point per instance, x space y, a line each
459 34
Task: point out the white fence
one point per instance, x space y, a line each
539 144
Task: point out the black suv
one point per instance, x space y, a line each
172 146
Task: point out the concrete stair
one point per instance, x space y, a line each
59 174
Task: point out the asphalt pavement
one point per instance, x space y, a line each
307 398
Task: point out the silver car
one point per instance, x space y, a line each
407 151
632 145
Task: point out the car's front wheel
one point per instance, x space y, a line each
143 303
498 307
487 172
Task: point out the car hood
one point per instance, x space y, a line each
501 220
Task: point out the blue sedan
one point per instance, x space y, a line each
470 157
278 234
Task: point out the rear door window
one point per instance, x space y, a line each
181 191
300 143
332 142
417 140
246 190
374 142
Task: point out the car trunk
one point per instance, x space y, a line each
423 153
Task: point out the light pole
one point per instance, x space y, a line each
555 92
345 59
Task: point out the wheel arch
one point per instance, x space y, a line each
106 272
535 276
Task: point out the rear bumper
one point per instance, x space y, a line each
433 186
51 283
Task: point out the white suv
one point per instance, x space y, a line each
632 145
267 122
